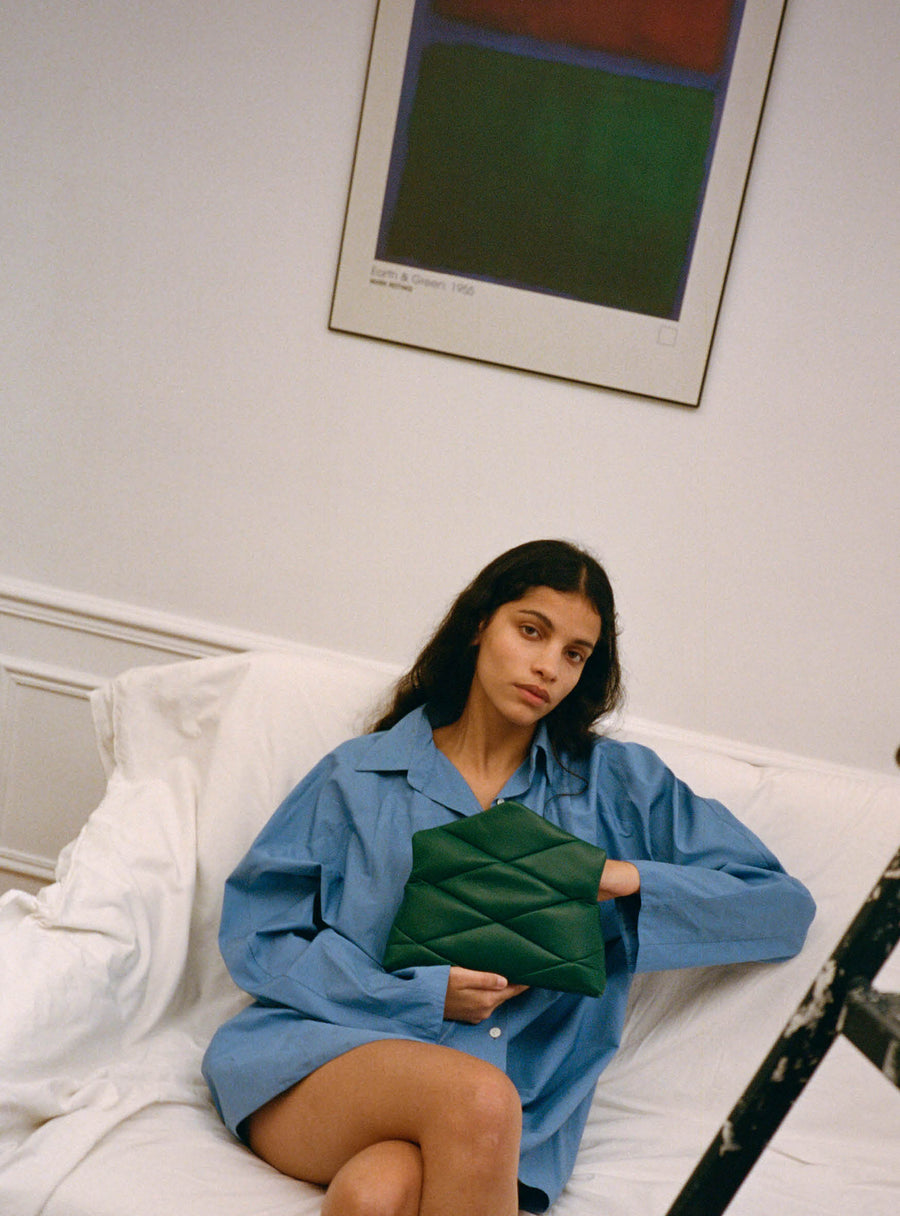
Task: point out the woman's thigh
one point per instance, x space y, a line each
390 1090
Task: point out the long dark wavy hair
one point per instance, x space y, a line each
442 674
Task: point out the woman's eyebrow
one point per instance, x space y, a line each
545 620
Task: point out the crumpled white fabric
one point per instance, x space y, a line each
111 983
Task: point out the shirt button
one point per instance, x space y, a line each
495 1032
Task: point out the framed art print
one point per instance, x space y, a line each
555 185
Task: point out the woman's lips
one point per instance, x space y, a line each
534 694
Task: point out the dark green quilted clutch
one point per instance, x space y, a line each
508 892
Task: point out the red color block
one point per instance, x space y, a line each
684 33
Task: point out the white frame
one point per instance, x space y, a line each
532 330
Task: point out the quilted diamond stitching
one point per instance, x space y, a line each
512 923
440 884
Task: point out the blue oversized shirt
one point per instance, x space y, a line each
307 913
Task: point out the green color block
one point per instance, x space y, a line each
553 177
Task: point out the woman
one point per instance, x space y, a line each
438 1090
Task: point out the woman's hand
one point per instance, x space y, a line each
618 878
473 996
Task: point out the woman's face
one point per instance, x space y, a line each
532 651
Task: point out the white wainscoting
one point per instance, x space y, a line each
55 647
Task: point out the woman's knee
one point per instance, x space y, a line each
382 1180
487 1112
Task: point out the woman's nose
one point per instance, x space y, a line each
547 664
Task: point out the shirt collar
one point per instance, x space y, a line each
395 750
409 748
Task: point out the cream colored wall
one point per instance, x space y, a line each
182 433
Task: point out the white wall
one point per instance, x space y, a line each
181 432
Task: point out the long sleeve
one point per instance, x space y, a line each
711 892
303 920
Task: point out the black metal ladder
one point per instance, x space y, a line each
840 1001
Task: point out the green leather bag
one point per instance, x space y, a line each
508 892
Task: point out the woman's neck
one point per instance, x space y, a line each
485 750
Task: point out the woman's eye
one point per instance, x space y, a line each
575 656
530 631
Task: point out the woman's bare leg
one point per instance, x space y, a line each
461 1113
383 1180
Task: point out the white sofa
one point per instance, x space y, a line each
111 982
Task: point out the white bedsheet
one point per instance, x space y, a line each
111 982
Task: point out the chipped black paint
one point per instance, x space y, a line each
840 1001
873 1025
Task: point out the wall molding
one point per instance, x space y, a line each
27 865
182 637
60 643
48 677
20 673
